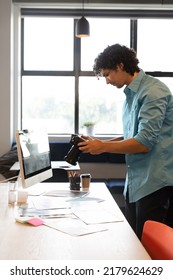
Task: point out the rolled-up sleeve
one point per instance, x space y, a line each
150 120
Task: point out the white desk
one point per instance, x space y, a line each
55 165
65 165
22 241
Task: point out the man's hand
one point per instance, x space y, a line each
92 146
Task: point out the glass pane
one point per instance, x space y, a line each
102 104
103 32
48 102
168 82
48 43
155 44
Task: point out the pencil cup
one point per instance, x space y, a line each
85 181
74 183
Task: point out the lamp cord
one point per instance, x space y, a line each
83 7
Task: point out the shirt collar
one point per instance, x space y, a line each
135 84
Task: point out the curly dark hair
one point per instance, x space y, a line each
113 55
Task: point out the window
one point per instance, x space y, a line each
155 44
59 89
104 32
102 104
49 76
48 101
47 46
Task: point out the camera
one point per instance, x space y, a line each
73 154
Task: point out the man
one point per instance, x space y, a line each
148 137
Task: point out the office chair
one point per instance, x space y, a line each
157 238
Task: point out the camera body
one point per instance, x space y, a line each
73 154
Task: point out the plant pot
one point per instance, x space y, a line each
89 130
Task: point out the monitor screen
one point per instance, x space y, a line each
34 156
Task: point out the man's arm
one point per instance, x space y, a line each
96 146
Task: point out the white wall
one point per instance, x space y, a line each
5 75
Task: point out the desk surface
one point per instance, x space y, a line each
22 241
55 165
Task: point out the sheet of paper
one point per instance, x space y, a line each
74 227
95 214
46 202
24 213
66 193
85 198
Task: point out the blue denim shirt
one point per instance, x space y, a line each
148 117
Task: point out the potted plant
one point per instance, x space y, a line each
89 127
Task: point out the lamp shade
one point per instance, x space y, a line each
82 28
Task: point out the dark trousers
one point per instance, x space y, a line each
157 206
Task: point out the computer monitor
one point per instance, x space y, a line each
34 156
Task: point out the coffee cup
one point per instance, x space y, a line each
85 181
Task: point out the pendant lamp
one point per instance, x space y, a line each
82 28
